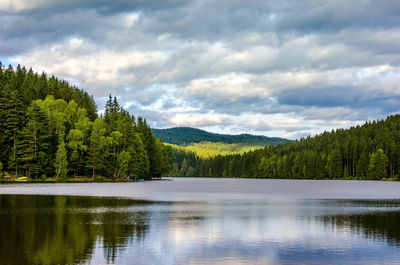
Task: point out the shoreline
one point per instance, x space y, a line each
80 180
103 180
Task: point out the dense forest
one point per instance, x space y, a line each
185 136
49 128
370 151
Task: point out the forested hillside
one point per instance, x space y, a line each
370 152
210 149
192 146
185 135
49 128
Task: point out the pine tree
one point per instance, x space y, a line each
14 120
41 87
168 160
34 138
362 165
139 163
377 165
334 164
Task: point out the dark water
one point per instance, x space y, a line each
201 221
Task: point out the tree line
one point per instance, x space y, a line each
49 128
369 152
185 136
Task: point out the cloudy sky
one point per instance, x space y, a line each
279 68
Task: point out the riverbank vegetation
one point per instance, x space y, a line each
49 128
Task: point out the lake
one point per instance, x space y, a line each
201 221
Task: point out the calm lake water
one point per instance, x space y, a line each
201 221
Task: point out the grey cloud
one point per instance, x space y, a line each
325 41
155 119
148 96
262 126
104 7
322 97
218 19
209 20
349 96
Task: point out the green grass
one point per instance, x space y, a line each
211 149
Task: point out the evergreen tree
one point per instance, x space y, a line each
13 124
377 165
168 160
362 166
139 163
34 141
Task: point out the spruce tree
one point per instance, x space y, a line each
14 121
139 163
377 165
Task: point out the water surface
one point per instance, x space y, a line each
201 221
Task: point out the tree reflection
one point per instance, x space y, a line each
65 229
375 225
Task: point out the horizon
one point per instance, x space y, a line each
286 69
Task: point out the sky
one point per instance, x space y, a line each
283 68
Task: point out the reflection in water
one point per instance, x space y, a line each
375 225
65 229
95 230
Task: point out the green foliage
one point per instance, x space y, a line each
377 165
98 145
61 160
63 234
139 163
48 128
184 136
34 141
123 164
363 152
168 160
210 149
153 148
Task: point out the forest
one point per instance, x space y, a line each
184 136
49 128
367 152
212 149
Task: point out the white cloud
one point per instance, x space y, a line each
19 5
230 87
96 67
199 120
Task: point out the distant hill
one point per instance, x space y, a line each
205 150
184 136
